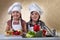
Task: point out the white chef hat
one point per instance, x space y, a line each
15 7
35 7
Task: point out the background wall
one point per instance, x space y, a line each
51 15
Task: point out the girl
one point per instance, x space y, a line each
16 25
35 14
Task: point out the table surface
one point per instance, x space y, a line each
4 37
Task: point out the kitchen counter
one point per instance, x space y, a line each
4 37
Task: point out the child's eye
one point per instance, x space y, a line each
17 12
32 14
13 12
36 14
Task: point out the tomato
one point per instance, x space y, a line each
36 28
16 33
44 32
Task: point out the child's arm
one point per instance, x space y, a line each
8 28
24 29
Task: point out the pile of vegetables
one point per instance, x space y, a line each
13 32
36 33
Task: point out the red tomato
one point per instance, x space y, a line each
44 32
16 33
36 28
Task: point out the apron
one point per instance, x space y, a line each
30 28
17 27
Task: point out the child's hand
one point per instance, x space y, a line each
9 32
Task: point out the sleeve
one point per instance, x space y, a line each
42 25
9 22
24 30
27 26
8 25
48 31
24 26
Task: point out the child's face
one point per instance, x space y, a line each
16 14
35 16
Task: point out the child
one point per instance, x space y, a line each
35 14
16 25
